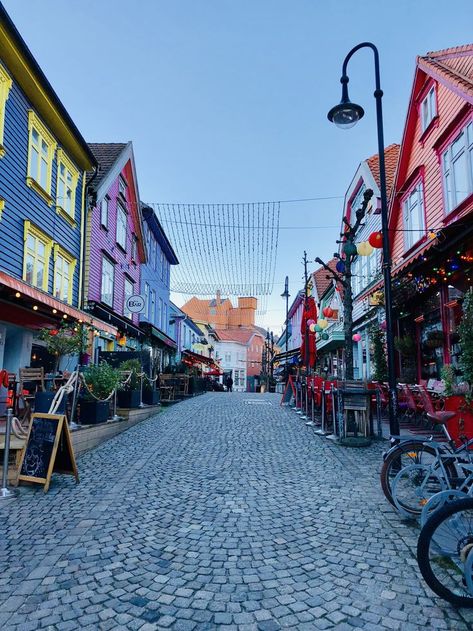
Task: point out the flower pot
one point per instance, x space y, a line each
94 412
43 400
128 398
151 397
462 423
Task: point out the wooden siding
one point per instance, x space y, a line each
103 241
23 203
422 154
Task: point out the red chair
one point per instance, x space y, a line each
407 403
440 417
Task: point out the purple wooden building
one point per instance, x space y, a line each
114 244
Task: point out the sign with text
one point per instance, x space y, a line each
135 304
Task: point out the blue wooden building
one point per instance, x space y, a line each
43 165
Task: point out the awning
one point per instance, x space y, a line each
159 335
42 297
414 257
121 324
200 359
295 352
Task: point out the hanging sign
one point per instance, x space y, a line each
48 450
135 304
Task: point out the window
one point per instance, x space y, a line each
104 212
166 319
428 109
36 258
129 290
67 179
152 308
163 266
457 168
160 314
121 226
41 150
5 87
64 267
357 201
228 358
133 247
147 301
122 187
413 214
108 278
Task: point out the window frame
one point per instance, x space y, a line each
64 160
106 201
106 259
47 241
6 83
147 296
134 247
127 282
122 187
430 100
59 252
465 129
121 210
34 123
409 233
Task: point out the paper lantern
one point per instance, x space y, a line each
349 248
318 329
364 248
356 337
328 312
322 323
53 332
312 327
324 336
311 321
383 326
376 239
340 267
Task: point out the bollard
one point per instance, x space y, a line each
5 492
115 415
141 392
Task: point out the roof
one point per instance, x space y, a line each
322 283
452 67
391 155
106 154
158 231
241 336
39 91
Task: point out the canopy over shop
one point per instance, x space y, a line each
200 362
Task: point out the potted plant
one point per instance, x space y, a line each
128 395
150 392
101 380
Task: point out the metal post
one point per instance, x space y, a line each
5 492
141 391
115 416
75 395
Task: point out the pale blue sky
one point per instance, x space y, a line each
226 100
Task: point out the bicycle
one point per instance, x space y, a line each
445 552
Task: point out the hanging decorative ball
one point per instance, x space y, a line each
310 322
383 325
349 248
317 328
356 337
322 323
53 332
312 327
328 312
340 267
376 239
324 336
364 248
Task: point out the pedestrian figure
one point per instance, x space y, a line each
229 383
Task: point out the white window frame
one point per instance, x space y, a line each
359 198
122 186
122 219
128 290
108 281
160 314
450 158
428 109
104 209
134 247
146 288
413 216
152 315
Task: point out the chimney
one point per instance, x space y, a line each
219 298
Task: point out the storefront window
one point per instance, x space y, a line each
454 316
431 339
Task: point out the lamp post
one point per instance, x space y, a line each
286 295
345 115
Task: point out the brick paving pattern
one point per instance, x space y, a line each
223 512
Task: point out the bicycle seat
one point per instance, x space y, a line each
441 416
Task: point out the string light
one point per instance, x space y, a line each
35 308
17 295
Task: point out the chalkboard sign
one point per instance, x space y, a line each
48 449
289 392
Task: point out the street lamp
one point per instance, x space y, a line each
286 295
345 115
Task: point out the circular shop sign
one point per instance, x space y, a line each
135 304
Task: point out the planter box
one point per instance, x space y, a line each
462 423
151 397
128 398
94 412
43 400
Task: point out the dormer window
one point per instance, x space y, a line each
428 109
122 187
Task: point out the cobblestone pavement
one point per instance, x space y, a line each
223 512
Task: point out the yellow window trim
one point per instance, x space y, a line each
2 206
58 250
5 87
36 123
63 158
32 230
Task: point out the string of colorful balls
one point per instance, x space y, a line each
365 248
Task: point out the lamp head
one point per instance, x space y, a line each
346 114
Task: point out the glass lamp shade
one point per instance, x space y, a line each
346 114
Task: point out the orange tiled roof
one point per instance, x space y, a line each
391 155
243 336
452 66
322 283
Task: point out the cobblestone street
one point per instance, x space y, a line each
222 512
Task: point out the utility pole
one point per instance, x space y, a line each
306 327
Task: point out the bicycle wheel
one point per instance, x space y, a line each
444 552
405 454
414 486
437 501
